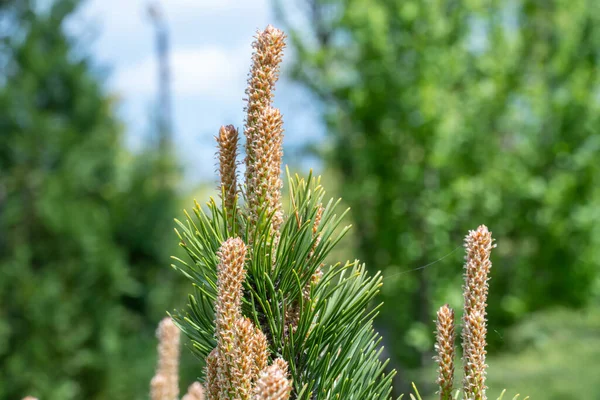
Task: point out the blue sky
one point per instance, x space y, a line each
210 59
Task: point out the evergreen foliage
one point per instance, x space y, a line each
317 320
445 113
268 317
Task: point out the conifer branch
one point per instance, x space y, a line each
293 313
245 302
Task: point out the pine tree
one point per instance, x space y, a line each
267 317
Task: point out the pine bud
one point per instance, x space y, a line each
165 384
478 244
227 143
212 375
273 383
444 348
264 132
194 392
230 277
228 377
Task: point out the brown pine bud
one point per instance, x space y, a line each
267 56
263 179
264 132
260 347
212 375
478 245
444 348
316 277
230 277
273 383
474 333
165 384
242 360
227 143
194 392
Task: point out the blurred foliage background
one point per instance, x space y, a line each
444 114
85 225
440 115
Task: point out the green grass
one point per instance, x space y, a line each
555 355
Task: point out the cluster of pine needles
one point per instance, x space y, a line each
267 318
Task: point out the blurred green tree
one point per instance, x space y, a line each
444 114
83 222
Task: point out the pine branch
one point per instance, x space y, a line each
270 319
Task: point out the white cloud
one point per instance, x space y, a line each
177 6
208 71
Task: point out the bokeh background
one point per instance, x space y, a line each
429 117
